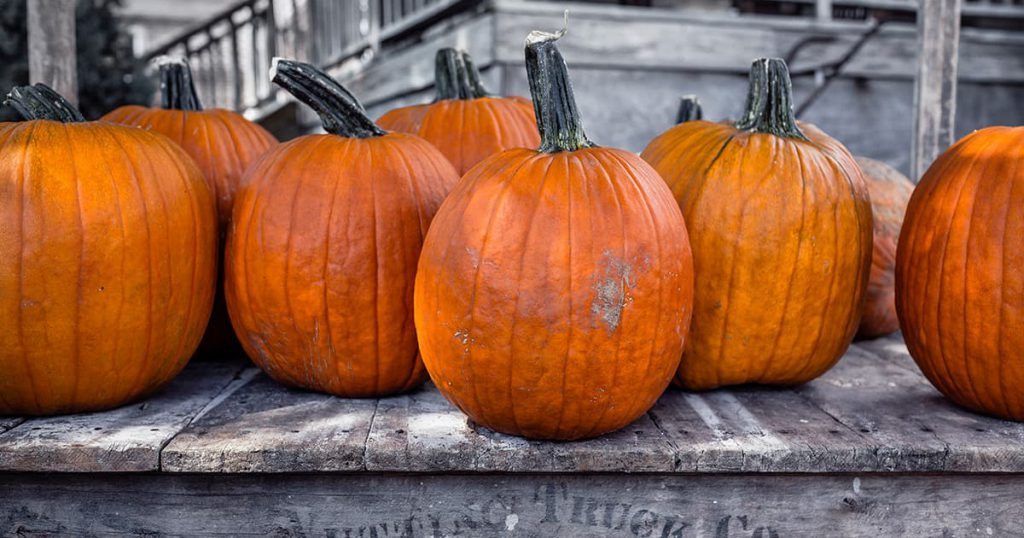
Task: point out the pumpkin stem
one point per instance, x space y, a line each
339 111
450 77
689 109
177 92
770 100
40 102
473 74
558 119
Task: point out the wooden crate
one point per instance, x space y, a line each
870 449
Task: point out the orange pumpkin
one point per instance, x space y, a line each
223 143
890 191
781 233
322 252
959 285
465 122
554 289
108 244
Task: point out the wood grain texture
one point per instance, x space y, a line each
125 439
673 40
7 423
938 47
266 427
52 59
912 427
750 429
423 432
723 506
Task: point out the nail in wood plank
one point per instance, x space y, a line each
128 438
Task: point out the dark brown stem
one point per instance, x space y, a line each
177 91
770 100
40 102
558 119
339 111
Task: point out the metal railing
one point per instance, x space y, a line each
231 52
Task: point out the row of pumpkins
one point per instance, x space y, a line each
550 291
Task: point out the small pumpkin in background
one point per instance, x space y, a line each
959 284
554 288
108 259
222 142
780 225
322 251
890 192
465 122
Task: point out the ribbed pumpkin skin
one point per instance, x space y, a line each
781 236
890 192
406 119
321 260
223 143
108 245
959 285
468 131
553 293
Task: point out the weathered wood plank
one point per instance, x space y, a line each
723 506
423 432
412 68
912 426
667 40
266 427
758 429
125 439
938 44
52 59
7 423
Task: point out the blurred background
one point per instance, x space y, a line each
853 61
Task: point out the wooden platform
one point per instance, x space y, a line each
870 449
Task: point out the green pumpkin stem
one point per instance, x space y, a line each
450 77
769 107
689 109
339 111
40 102
476 86
177 91
558 119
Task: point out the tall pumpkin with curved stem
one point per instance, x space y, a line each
781 232
959 285
223 143
554 289
465 122
108 249
323 246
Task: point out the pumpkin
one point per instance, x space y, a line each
465 122
959 285
322 251
780 226
890 191
108 255
223 143
689 109
554 288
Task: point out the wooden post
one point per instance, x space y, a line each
823 10
938 40
51 46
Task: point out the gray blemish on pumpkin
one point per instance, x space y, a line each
612 290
